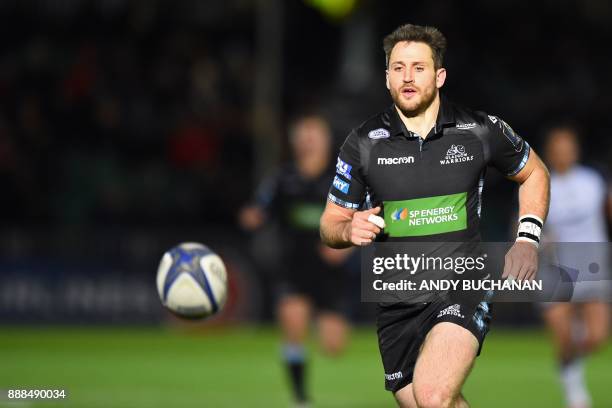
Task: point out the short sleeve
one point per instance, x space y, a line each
508 151
348 188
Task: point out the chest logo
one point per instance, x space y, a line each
456 154
399 214
426 216
395 160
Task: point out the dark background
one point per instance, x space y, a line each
129 126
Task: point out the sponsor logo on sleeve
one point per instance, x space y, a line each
341 185
343 169
379 134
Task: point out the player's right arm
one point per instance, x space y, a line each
342 227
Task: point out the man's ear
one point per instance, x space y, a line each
440 77
387 79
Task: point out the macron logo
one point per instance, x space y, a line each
395 160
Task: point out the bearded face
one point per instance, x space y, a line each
412 78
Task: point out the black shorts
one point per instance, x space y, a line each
324 285
402 329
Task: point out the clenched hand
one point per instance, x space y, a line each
521 261
361 231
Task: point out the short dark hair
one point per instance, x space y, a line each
570 126
306 116
415 33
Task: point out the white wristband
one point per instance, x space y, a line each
530 229
535 217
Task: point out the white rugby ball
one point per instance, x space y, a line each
192 281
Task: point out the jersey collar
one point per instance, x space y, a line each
446 117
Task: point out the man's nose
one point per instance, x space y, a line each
408 75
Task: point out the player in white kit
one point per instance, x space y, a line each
577 224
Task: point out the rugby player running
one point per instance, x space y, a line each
426 151
309 281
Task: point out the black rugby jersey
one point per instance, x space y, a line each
295 202
429 189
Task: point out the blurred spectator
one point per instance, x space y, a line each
118 116
579 196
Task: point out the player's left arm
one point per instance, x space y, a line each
534 198
513 156
534 190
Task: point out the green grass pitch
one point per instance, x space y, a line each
164 367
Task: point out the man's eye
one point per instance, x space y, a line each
420 69
397 69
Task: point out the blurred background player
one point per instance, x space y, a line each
579 196
311 274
